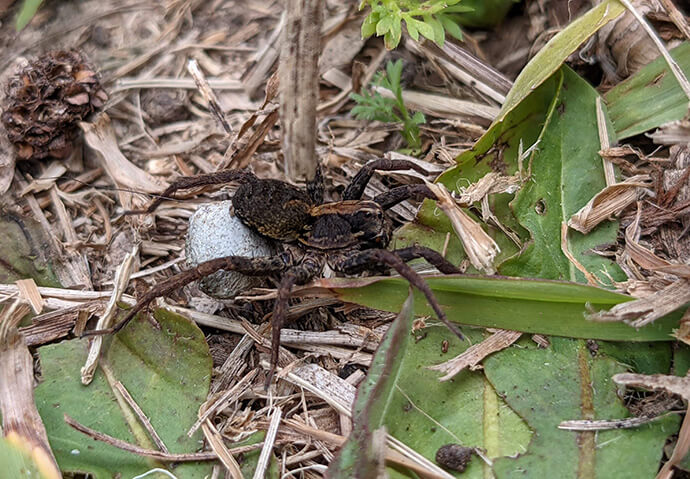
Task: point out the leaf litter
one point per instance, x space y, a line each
143 141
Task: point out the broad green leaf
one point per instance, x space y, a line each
24 251
16 464
551 57
29 9
650 98
357 458
426 414
529 305
411 28
167 371
566 172
496 151
423 413
562 382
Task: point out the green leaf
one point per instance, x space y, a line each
562 382
497 150
418 118
554 53
411 28
480 13
27 12
450 26
385 23
650 98
16 464
425 29
393 76
392 37
423 413
439 34
369 25
426 414
567 172
529 305
357 458
167 371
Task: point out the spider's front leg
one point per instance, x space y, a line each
259 266
355 189
217 178
359 261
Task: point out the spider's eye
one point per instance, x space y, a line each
367 214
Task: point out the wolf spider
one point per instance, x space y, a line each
350 235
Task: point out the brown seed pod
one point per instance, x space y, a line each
46 99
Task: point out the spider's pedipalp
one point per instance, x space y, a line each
315 187
362 260
355 190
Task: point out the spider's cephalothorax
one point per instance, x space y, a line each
350 235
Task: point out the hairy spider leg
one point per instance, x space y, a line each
259 266
361 261
401 193
310 266
355 189
217 178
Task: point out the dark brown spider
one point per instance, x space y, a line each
350 235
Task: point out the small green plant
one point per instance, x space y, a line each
430 18
374 106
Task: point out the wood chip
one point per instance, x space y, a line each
474 355
30 293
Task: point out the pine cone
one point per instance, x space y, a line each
46 99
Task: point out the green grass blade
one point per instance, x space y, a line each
650 98
529 305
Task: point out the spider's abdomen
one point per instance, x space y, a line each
273 208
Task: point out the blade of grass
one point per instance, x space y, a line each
527 305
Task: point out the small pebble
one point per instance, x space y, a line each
214 232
